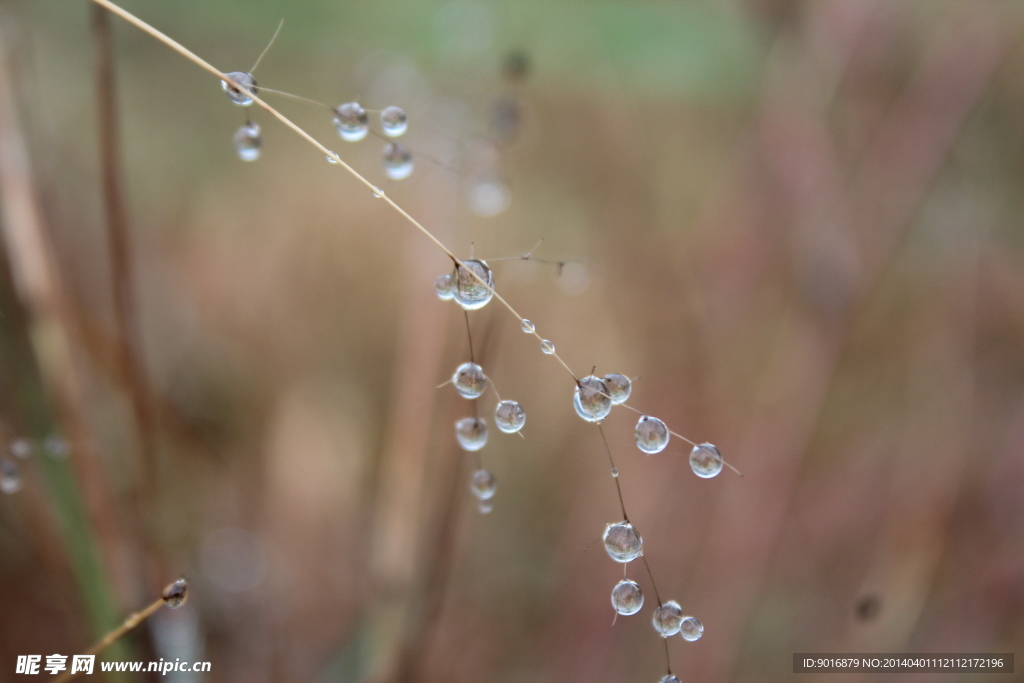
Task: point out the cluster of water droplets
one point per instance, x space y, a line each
471 433
12 479
351 121
624 544
353 124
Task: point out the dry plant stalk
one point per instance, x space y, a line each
173 596
622 540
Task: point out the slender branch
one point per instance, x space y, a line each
618 487
126 340
333 156
106 641
469 335
650 575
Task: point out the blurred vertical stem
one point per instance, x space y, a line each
81 500
126 342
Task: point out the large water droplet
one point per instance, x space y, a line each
527 326
705 460
627 598
619 387
591 399
483 484
397 161
248 83
471 433
393 121
509 416
623 542
469 380
691 629
247 142
469 292
651 435
443 287
351 121
668 618
547 346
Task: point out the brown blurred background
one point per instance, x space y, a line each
799 223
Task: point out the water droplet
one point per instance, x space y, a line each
56 447
615 472
669 679
489 198
668 618
591 399
397 161
20 448
705 460
10 477
509 416
351 121
176 594
651 435
485 507
377 192
247 142
483 484
527 326
627 598
443 287
619 387
331 159
471 433
623 542
691 629
248 83
469 292
469 380
394 121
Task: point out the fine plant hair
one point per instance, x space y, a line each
459 264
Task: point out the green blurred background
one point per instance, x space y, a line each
798 223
